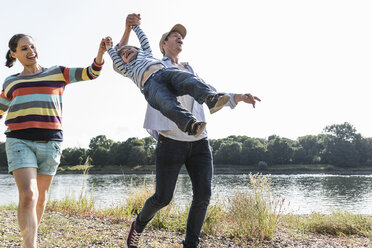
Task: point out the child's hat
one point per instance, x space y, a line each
179 28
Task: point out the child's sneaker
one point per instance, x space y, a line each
133 237
216 102
196 128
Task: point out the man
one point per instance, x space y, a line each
175 148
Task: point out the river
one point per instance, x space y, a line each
303 194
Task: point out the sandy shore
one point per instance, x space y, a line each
59 230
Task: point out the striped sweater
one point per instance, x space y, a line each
135 68
36 101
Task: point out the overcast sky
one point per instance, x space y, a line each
309 61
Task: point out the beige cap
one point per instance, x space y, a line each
179 28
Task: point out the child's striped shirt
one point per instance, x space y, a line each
137 67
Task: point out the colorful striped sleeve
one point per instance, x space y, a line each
4 104
73 75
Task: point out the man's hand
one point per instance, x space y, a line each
247 98
108 42
133 20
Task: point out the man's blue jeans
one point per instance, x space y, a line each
163 87
170 156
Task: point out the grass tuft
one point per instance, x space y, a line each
254 214
215 219
339 222
250 215
81 205
137 198
11 206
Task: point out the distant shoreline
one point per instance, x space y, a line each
233 172
219 172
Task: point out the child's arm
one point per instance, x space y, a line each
132 20
145 44
108 42
117 62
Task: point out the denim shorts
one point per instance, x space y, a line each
45 156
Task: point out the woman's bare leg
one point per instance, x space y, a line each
26 180
43 185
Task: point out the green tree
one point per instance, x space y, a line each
150 146
99 148
342 132
100 141
280 150
228 153
136 152
253 151
368 146
137 156
100 156
118 154
299 156
73 156
364 148
238 138
133 152
308 150
340 145
215 144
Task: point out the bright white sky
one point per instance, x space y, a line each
309 61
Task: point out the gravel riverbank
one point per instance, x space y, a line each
60 230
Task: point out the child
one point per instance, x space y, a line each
161 85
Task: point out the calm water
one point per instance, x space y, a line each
303 193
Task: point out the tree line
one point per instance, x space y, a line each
338 145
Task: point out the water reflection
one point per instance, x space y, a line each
303 193
325 193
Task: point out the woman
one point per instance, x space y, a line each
33 100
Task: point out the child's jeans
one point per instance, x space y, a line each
163 87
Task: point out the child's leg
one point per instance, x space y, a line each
185 83
162 99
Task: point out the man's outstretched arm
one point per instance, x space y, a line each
247 98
